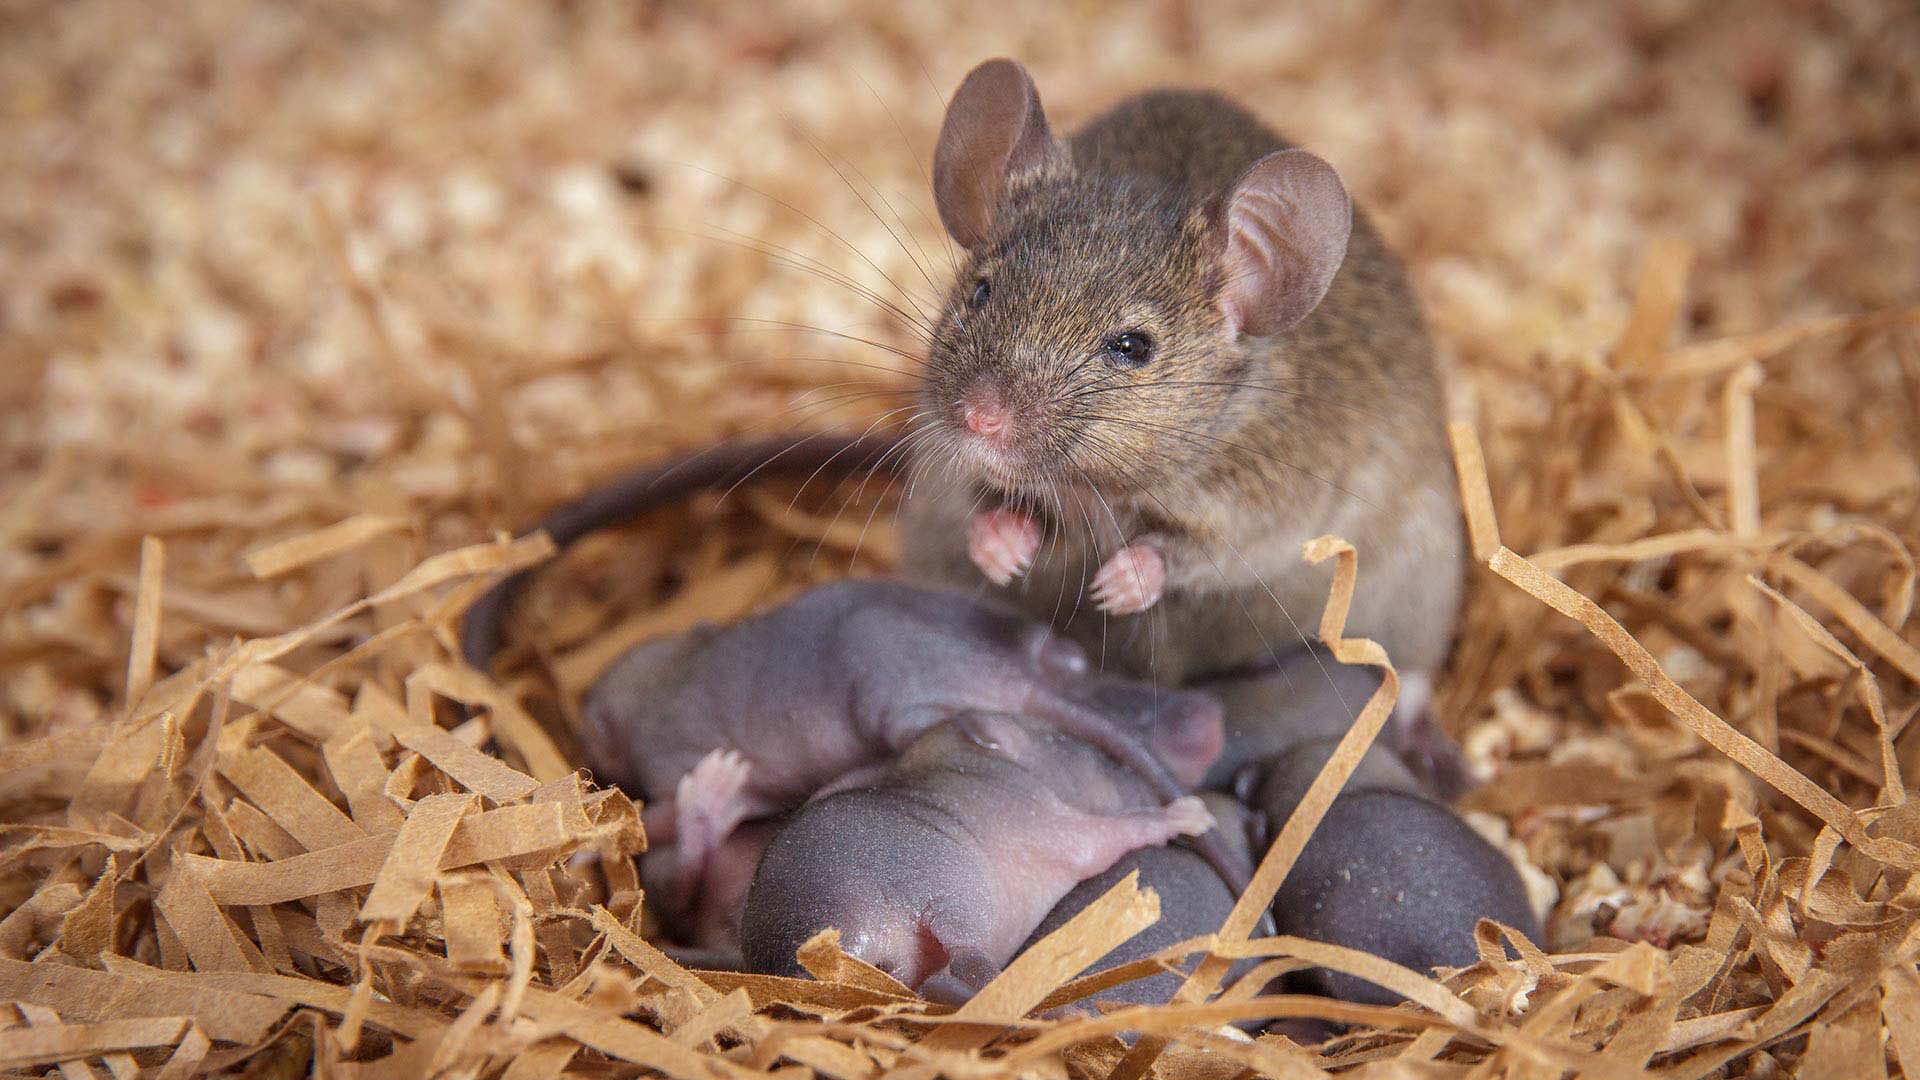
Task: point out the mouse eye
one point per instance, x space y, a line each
981 291
1128 350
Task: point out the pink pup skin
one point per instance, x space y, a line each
727 725
937 867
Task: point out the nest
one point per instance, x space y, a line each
307 308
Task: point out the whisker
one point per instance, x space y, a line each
769 326
900 447
920 167
781 255
858 194
882 196
751 361
816 223
1200 384
1183 433
900 455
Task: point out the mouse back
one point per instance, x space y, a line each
1184 728
1402 877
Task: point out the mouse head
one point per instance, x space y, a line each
1099 322
1186 729
1033 758
620 701
980 735
1040 650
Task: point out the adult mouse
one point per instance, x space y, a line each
1173 353
725 725
938 865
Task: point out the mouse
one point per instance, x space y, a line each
1391 870
1194 901
937 866
1173 352
725 725
699 903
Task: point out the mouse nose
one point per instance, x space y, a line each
985 413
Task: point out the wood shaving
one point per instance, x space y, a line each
307 308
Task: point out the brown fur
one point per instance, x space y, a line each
1333 426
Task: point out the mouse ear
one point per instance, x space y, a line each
1286 223
994 131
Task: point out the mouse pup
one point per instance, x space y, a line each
729 725
937 866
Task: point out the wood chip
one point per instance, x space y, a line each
408 872
146 619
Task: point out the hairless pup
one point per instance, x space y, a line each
1194 902
726 725
1390 871
699 905
939 864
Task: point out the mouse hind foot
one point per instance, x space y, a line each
709 803
1108 837
1429 753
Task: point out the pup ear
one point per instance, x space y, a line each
992 733
1286 223
994 131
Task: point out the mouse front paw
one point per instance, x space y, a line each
1132 581
1002 543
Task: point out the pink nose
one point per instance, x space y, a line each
985 414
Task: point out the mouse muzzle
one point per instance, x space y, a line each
984 412
996 426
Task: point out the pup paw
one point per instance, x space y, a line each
709 801
1132 581
1188 816
1002 543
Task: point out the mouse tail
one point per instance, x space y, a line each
721 465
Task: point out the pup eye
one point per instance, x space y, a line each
980 292
1128 350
